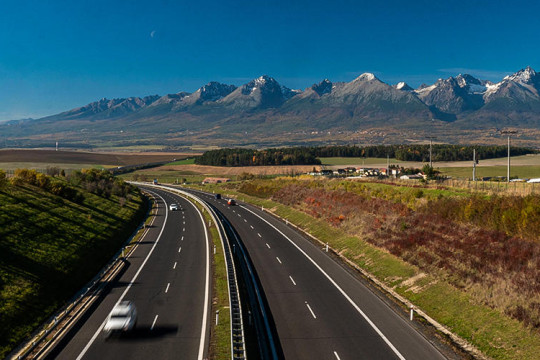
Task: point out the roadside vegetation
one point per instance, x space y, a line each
56 233
470 260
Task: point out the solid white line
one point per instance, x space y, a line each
371 323
167 289
174 267
337 356
290 277
154 323
279 260
129 285
179 249
312 313
268 245
259 235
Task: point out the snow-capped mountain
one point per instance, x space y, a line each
262 92
403 86
519 90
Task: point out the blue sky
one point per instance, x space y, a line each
56 55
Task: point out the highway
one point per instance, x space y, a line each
320 309
168 279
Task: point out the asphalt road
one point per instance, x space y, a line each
321 311
167 279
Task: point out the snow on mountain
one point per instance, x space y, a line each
403 86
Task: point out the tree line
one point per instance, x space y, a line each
249 157
308 155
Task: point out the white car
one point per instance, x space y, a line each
123 317
173 207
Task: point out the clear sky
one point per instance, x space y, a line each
56 55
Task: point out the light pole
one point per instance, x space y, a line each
431 149
508 132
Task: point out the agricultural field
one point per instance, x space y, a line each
40 159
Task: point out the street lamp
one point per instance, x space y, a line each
508 132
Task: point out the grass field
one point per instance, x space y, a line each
520 171
188 161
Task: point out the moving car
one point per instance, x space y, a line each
173 207
231 202
123 317
217 196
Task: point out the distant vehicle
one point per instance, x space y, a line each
535 180
123 317
217 196
231 202
155 182
173 207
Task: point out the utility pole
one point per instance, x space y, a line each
388 165
474 165
431 150
508 132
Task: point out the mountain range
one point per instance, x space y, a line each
265 109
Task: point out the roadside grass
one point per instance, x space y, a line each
491 331
164 176
42 166
50 247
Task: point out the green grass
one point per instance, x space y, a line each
524 172
50 247
495 334
189 161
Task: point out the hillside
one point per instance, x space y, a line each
263 112
55 235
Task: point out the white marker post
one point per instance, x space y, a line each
217 317
412 313
326 247
214 249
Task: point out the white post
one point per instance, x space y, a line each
214 249
326 247
412 313
217 317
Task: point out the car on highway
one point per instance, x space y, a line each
231 202
123 317
217 196
173 207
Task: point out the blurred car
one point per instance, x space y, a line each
217 196
123 317
173 207
231 202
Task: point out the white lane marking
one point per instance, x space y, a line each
129 285
167 289
179 249
290 277
182 239
279 261
154 323
259 235
239 215
184 229
174 266
234 211
312 313
268 245
184 223
251 227
337 356
245 220
371 323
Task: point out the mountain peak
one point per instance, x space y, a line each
523 76
366 77
403 86
323 87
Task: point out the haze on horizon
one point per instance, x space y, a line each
59 55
